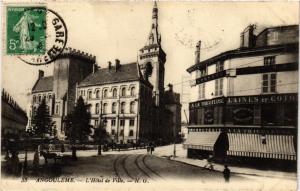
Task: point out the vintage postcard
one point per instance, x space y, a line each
149 95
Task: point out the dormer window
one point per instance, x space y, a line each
220 66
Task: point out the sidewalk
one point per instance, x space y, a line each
181 156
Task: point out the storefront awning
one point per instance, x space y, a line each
261 146
201 140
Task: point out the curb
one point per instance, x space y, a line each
238 173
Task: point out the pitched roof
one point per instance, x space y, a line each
242 52
125 72
43 84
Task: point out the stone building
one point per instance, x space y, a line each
13 118
121 99
127 98
244 101
59 90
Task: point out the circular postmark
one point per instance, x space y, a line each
48 44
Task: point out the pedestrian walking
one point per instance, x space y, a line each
226 173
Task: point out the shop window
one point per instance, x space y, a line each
219 87
269 60
218 114
131 122
269 83
113 122
208 116
122 122
269 114
257 115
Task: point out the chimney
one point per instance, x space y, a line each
248 37
109 65
95 68
41 74
117 64
197 52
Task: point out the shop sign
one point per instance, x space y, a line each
273 98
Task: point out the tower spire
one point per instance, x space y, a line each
154 36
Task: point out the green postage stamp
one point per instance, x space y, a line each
26 30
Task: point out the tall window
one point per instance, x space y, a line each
132 91
219 87
121 132
89 94
268 61
105 93
131 133
123 92
131 122
113 122
269 83
201 91
220 66
56 109
113 132
96 122
97 93
34 99
115 92
97 108
122 122
123 107
40 98
114 107
132 104
104 108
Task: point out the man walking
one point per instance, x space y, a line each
226 173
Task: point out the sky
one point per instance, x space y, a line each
111 30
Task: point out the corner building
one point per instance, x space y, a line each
244 101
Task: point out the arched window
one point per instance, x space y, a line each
131 133
114 107
34 99
104 108
105 93
97 93
40 98
89 94
115 92
123 92
132 104
123 107
132 91
97 108
121 132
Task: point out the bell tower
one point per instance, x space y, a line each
152 59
